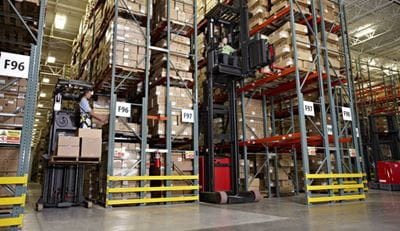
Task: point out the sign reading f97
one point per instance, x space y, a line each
14 65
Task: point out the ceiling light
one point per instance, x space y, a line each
42 94
46 80
363 31
51 59
38 113
59 21
36 120
40 105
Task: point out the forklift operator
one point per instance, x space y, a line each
86 113
225 48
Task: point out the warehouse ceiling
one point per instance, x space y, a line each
63 19
374 27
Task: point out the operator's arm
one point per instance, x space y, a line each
95 116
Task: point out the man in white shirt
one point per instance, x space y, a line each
86 111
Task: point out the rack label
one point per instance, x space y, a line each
352 152
309 108
330 129
14 65
187 116
123 109
312 151
346 114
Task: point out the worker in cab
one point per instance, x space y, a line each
86 113
225 48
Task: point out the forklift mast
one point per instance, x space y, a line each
224 71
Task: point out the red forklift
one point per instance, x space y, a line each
220 168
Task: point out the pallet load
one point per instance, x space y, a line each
254 119
180 99
300 6
282 41
12 100
181 13
259 11
334 57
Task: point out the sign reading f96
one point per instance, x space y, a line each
14 65
123 109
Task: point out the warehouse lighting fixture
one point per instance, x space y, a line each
38 113
42 94
364 31
40 105
51 59
60 21
46 80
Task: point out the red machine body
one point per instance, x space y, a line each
222 173
389 172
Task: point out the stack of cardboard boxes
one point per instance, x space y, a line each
299 6
86 146
254 119
181 12
179 99
282 41
259 10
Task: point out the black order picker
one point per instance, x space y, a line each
219 170
63 180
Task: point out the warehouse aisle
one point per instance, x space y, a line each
379 212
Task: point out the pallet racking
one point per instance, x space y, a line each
333 143
133 84
16 184
377 100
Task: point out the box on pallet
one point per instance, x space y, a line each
68 146
91 142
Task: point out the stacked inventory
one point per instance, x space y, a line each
312 119
259 10
14 37
113 51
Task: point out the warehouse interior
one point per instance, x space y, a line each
199 114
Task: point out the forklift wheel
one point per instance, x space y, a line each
39 207
223 197
256 194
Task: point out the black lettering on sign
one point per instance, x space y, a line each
14 65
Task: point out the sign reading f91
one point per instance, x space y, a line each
14 65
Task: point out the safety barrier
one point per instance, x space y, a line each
13 219
111 190
353 189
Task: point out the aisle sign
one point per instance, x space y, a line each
330 129
309 108
14 65
352 152
346 114
187 116
123 109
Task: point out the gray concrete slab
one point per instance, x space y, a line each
379 212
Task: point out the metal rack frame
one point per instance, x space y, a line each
15 219
167 27
346 179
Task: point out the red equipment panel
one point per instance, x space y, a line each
389 172
222 173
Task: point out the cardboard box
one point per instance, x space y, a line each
90 133
68 146
91 147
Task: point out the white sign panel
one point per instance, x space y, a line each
187 116
346 114
330 129
309 108
352 152
14 65
123 109
312 151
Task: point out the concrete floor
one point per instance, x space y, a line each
381 211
